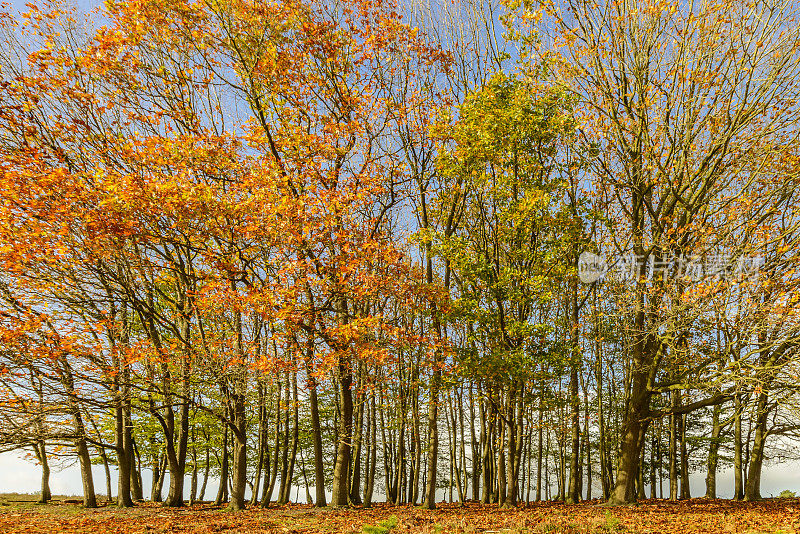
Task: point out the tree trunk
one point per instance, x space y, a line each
239 446
433 438
539 450
685 490
355 478
103 456
673 450
316 429
713 454
40 450
205 477
573 492
193 488
137 491
222 491
373 452
752 490
273 468
89 497
632 430
341 467
474 448
738 483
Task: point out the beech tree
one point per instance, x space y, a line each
295 244
689 108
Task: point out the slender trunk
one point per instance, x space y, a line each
738 483
752 490
176 455
295 436
283 491
653 468
416 439
660 460
239 449
573 492
205 477
343 448
176 458
673 450
273 468
500 486
155 464
193 489
161 477
713 454
373 451
137 490
82 450
123 450
107 470
539 450
433 438
486 439
355 482
40 450
262 438
474 448
316 430
89 497
685 490
640 479
223 466
586 442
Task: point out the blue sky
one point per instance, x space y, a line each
83 4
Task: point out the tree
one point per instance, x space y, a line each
689 107
506 153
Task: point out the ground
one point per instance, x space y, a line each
651 516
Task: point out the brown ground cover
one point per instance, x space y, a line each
652 516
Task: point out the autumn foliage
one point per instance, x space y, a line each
292 244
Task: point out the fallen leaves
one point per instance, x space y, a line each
777 516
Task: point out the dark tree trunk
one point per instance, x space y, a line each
222 491
713 454
89 497
673 450
40 450
574 492
316 430
752 489
433 438
355 479
633 427
239 446
373 451
341 484
137 493
206 469
685 490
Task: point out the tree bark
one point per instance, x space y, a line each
316 430
341 467
40 450
738 483
752 490
713 454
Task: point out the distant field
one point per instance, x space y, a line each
774 516
25 497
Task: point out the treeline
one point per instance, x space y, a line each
499 252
